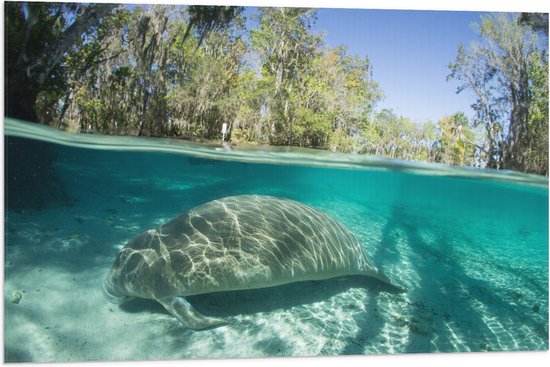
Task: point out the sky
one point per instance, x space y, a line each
410 52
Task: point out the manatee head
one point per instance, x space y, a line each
113 288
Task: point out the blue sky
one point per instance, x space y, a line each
410 51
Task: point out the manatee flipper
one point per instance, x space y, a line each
187 315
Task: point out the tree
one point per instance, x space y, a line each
285 48
249 124
151 73
209 18
471 69
313 95
537 149
353 98
455 143
538 22
113 94
38 35
499 72
86 68
204 97
538 108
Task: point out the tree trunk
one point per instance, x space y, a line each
53 55
20 98
492 162
25 79
518 142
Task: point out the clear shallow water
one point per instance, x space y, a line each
470 246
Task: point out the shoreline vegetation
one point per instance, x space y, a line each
184 71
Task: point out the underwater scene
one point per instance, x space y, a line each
323 254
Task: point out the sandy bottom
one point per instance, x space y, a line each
455 301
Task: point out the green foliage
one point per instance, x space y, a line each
314 96
536 21
455 144
30 28
39 36
203 99
342 142
504 72
396 137
209 18
249 125
148 75
285 48
537 151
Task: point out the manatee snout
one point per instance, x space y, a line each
112 292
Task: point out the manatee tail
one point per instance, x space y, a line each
392 287
188 316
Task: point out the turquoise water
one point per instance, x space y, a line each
470 246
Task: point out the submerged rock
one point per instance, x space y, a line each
16 297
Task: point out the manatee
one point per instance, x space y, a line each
234 243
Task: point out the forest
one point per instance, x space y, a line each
183 71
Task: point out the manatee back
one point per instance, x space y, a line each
253 241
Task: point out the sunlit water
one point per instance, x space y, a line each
470 246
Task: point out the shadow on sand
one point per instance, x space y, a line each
253 301
443 314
